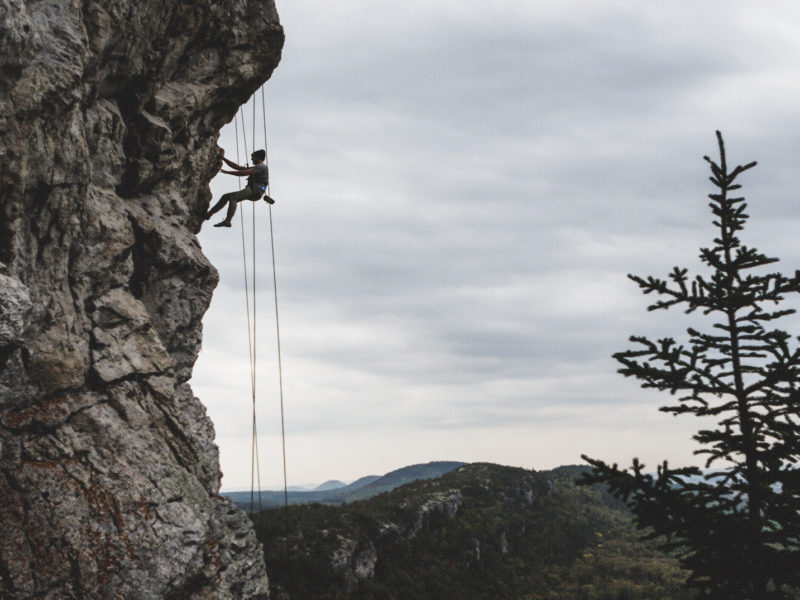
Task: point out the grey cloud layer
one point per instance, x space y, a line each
462 188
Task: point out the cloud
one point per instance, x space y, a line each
461 190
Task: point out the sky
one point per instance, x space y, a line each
461 190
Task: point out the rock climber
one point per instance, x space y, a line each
257 180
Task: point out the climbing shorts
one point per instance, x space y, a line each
246 193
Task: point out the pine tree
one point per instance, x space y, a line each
736 524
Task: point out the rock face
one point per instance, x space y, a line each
109 117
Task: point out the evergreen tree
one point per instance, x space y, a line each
736 525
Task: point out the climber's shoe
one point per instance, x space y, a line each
222 224
269 200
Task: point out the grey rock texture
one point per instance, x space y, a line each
109 116
353 562
446 503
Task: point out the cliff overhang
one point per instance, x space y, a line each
109 117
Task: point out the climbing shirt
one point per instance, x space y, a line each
259 177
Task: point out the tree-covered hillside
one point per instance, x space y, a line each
480 532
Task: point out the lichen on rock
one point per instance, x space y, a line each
109 117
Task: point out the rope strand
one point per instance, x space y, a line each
255 337
277 317
280 365
264 112
255 466
251 333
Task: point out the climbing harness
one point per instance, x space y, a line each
255 467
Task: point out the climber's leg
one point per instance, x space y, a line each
232 198
217 207
245 194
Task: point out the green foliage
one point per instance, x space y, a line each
736 528
481 531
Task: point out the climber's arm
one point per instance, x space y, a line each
233 165
244 173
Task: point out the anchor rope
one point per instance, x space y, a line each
251 333
277 315
255 467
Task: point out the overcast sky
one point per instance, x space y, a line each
461 190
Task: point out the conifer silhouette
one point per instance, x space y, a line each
736 525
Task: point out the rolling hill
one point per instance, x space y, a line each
330 493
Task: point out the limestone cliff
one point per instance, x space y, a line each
109 116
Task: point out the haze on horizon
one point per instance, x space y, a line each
462 189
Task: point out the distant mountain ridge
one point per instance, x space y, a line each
332 484
335 492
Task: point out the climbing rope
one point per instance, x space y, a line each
255 470
277 319
275 290
255 467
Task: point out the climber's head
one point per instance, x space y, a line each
258 156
